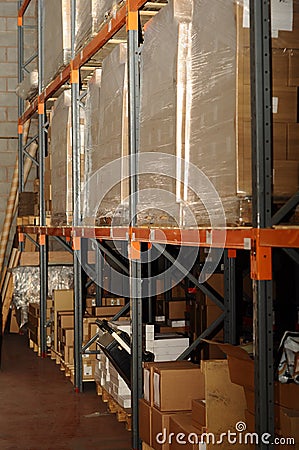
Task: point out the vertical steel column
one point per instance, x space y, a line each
230 322
42 211
150 284
75 91
261 88
99 272
135 264
20 100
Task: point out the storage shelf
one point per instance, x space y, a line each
102 37
235 238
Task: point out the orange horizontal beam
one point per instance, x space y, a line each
137 4
59 81
279 237
23 8
29 112
236 238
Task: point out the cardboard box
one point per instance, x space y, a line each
182 423
285 108
293 67
160 422
199 414
287 395
288 423
148 374
175 388
63 301
113 301
250 421
66 319
280 67
225 401
145 422
292 142
176 309
106 311
68 337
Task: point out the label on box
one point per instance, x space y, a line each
275 105
87 370
281 16
157 389
146 385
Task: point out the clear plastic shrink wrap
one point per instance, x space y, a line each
188 106
61 152
90 15
26 281
195 104
28 88
92 137
110 134
57 36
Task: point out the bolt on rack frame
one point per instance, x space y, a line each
258 240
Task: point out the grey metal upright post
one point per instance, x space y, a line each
20 100
261 88
230 322
42 210
135 264
75 92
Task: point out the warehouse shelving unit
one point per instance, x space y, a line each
259 239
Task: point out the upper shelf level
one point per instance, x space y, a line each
91 48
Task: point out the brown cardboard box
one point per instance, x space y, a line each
293 142
181 426
113 301
145 422
68 337
288 423
286 178
225 401
66 319
148 372
63 301
249 395
199 414
174 388
287 395
160 422
287 107
280 67
293 67
106 311
250 421
176 309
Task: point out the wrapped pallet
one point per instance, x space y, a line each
90 16
195 105
61 153
57 33
111 142
27 89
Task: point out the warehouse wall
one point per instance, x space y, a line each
8 98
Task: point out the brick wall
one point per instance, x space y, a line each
8 98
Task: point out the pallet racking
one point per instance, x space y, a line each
258 240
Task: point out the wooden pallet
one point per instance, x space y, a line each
55 356
122 414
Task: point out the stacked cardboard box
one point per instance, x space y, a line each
241 372
34 322
180 397
90 15
202 113
57 32
285 57
169 388
110 143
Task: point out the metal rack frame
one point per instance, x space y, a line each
258 240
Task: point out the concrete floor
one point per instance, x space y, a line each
39 409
